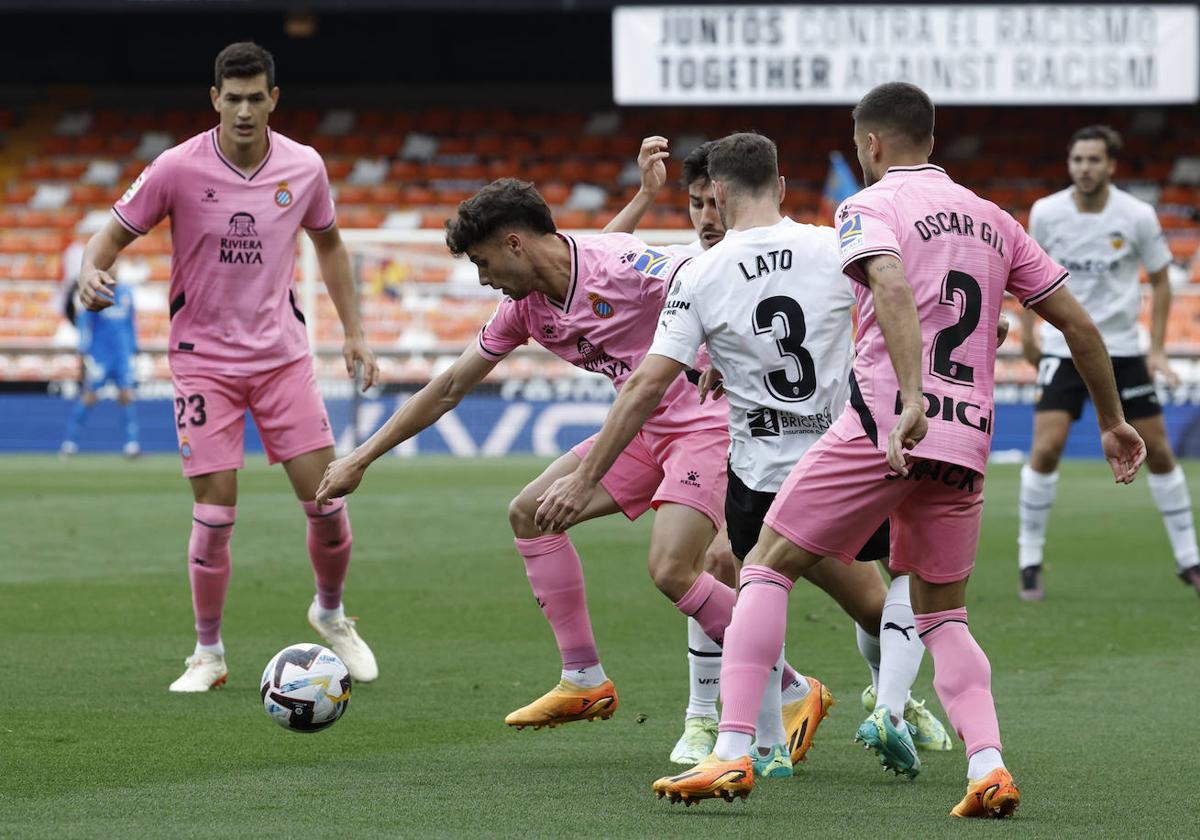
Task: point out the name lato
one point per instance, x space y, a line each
766 263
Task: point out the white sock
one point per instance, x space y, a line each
796 690
901 646
731 745
704 673
1170 492
769 726
1037 497
217 649
983 762
330 615
868 646
588 677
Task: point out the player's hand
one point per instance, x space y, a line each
341 478
1159 364
355 351
95 289
909 430
712 382
563 502
1124 450
652 164
1001 329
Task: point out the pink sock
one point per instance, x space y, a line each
556 577
208 567
329 541
962 677
710 602
752 646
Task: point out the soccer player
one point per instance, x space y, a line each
237 195
1101 234
107 346
594 302
703 654
861 592
930 263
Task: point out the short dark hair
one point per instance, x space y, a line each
695 165
244 60
504 203
900 107
1112 140
746 159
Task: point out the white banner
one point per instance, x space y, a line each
983 55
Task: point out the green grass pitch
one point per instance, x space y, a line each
1096 687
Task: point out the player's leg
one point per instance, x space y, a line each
294 425
936 536
692 500
127 398
1059 405
209 423
1168 485
82 407
704 665
803 701
555 575
820 511
214 511
901 655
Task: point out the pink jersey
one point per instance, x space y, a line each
232 298
607 322
960 254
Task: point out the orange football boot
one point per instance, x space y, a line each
992 797
801 719
709 779
564 703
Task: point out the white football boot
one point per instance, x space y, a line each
204 671
341 637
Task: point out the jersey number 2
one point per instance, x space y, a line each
948 340
780 382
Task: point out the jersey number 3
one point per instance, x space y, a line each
949 339
781 382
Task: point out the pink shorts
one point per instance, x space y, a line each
687 468
839 492
210 416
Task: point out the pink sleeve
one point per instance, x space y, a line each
504 333
863 231
320 214
148 199
1034 276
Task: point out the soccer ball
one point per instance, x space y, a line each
305 688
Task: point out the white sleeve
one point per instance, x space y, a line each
1151 241
680 332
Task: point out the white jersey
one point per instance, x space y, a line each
774 308
1102 252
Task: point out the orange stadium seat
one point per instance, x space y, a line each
1014 166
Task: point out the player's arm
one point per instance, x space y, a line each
418 413
652 165
1123 448
95 283
334 260
1030 348
1160 309
566 498
896 312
